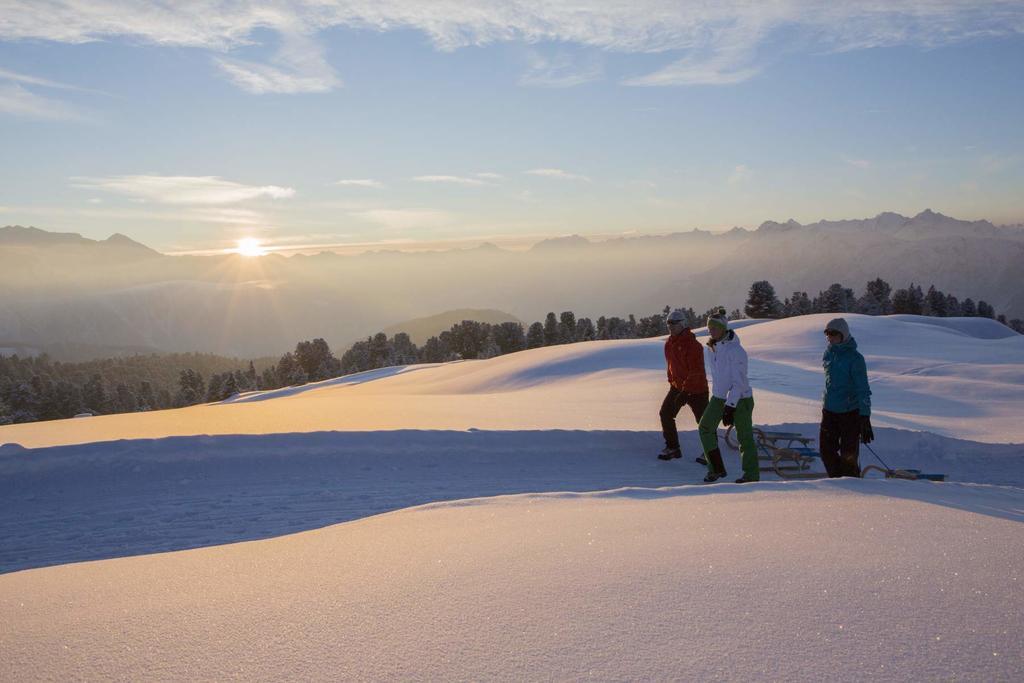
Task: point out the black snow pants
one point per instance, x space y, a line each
670 407
839 441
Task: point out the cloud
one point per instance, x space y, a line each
707 43
458 180
561 70
739 174
6 75
298 67
490 176
361 182
406 219
557 173
202 190
18 101
859 163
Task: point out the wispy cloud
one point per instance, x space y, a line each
16 100
298 66
361 182
740 173
557 173
182 189
490 176
6 75
406 219
706 43
859 163
454 179
561 70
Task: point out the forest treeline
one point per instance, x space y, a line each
38 388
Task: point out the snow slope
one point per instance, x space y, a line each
857 580
221 553
957 377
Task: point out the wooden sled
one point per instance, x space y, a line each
787 460
912 475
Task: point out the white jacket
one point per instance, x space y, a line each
728 363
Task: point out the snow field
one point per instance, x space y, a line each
952 376
785 581
222 557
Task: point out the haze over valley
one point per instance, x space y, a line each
77 298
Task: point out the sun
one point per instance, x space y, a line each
250 246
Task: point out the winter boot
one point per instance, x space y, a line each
701 461
717 466
669 453
744 480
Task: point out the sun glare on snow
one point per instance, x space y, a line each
250 246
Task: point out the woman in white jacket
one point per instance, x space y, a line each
732 401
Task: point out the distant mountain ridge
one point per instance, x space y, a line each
61 288
17 235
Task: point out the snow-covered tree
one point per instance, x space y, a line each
550 330
798 304
585 330
567 327
762 301
876 299
191 390
934 303
835 299
953 307
535 336
509 337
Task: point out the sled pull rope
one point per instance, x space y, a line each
888 469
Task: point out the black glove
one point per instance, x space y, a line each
867 435
727 414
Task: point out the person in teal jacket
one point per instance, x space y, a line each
846 403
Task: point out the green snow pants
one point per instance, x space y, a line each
743 422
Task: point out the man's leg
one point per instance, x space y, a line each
849 444
698 404
670 407
708 429
744 423
828 444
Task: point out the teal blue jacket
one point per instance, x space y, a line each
846 379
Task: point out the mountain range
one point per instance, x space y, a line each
63 291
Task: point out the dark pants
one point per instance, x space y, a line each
670 407
840 443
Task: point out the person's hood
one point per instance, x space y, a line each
843 346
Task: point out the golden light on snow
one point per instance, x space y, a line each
250 246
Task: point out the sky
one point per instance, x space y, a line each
191 125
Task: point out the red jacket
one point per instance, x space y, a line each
685 359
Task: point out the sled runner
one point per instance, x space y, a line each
903 474
787 460
891 473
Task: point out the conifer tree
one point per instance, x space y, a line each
762 301
550 330
535 337
876 299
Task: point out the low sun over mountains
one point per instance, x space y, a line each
67 292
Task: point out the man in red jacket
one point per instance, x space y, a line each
688 384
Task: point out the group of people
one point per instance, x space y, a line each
846 402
